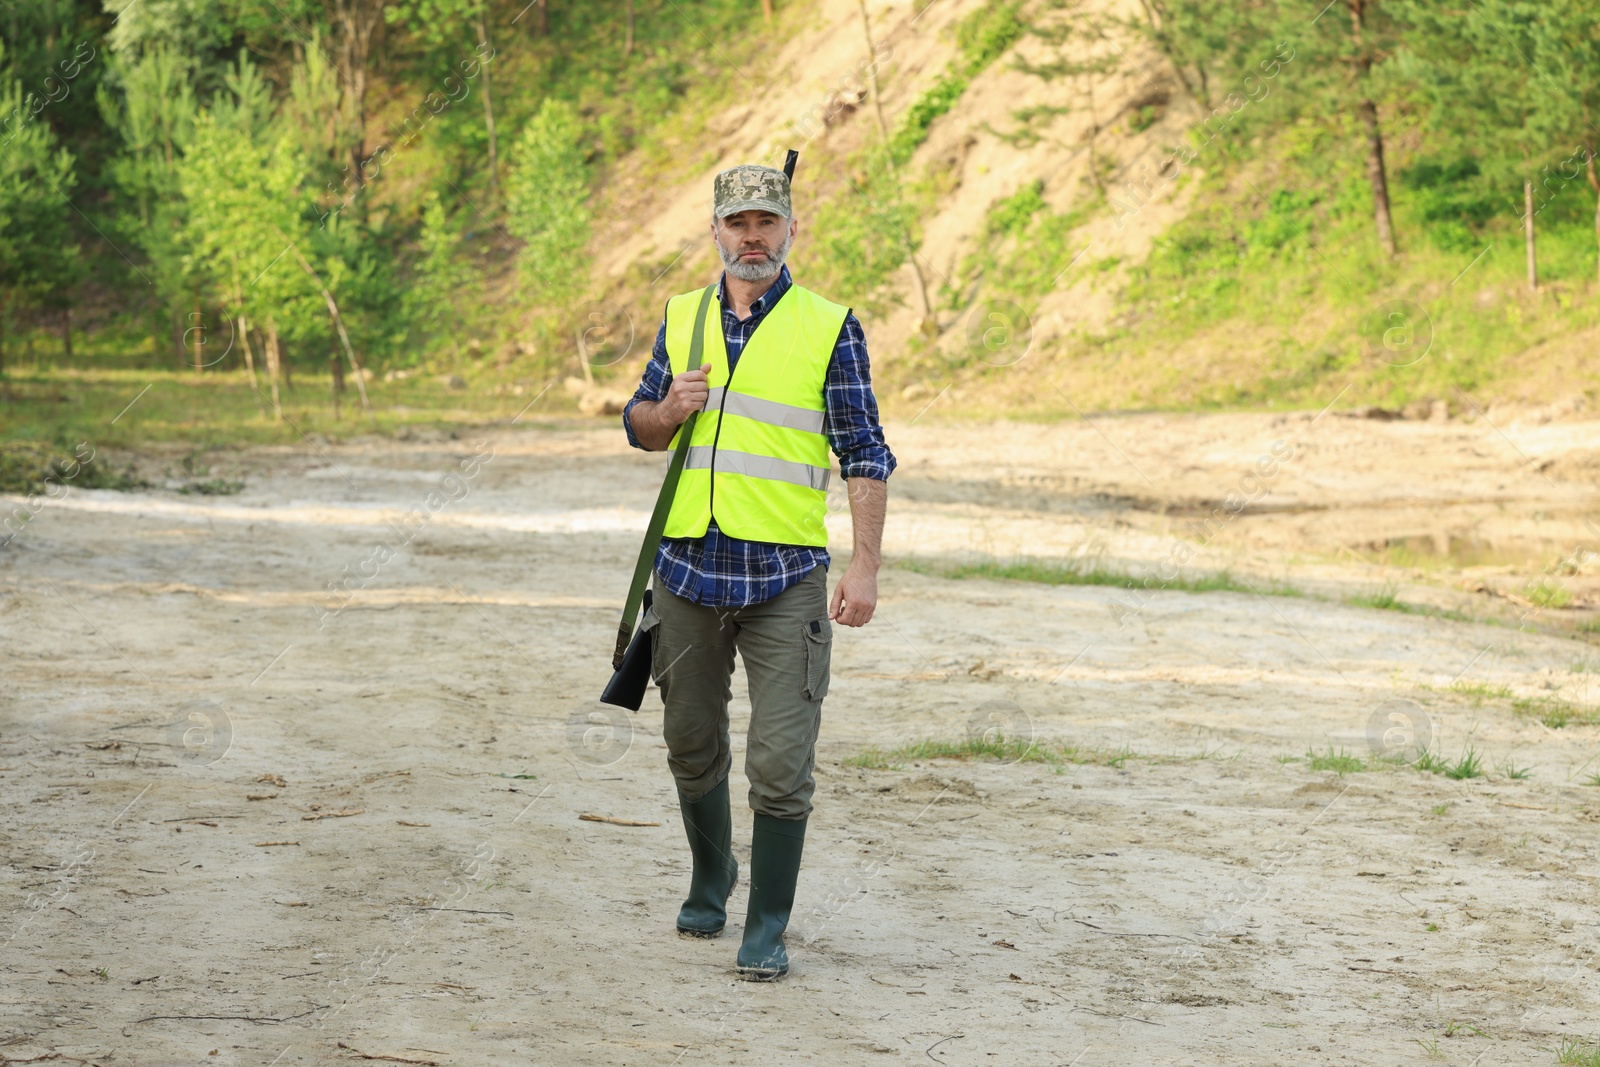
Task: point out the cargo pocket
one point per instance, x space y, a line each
819 652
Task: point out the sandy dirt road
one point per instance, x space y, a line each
250 821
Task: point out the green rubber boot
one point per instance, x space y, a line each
775 848
709 826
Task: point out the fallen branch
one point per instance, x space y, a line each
270 844
394 1059
333 814
235 1018
469 911
590 816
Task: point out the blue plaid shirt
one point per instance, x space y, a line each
724 572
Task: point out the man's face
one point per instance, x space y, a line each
753 244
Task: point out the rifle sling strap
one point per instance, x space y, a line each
669 487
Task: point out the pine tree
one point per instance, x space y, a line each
444 284
39 257
547 195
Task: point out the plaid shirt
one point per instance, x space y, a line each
724 572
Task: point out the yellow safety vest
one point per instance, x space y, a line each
758 455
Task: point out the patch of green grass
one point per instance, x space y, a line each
1341 761
1577 1052
1478 692
1510 770
1440 809
997 747
1428 762
1470 765
219 409
1555 712
981 38
1590 626
1386 599
1593 779
40 467
1089 573
1548 593
872 758
1239 266
1021 253
212 487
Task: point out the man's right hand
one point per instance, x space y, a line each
687 394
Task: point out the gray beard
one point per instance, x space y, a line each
754 272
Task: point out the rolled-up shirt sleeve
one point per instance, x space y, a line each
851 421
653 386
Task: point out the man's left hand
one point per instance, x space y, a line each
855 597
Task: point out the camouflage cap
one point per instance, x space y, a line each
751 188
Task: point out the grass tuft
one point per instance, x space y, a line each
997 747
1341 761
1431 764
1555 712
1385 599
1090 573
1577 1052
1470 765
1510 770
1478 692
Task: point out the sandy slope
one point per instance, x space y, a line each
1201 903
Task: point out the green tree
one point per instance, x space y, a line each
242 184
1570 47
547 199
1372 36
39 257
153 114
444 284
440 21
1490 94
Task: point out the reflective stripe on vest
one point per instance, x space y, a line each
771 411
777 470
759 462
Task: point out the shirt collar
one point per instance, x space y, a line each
768 298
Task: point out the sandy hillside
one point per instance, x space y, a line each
250 822
791 98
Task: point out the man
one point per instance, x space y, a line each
743 560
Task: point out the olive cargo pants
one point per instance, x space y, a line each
786 644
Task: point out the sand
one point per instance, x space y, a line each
252 819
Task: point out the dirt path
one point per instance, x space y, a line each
363 835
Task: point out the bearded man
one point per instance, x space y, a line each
743 561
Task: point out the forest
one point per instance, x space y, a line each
357 188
